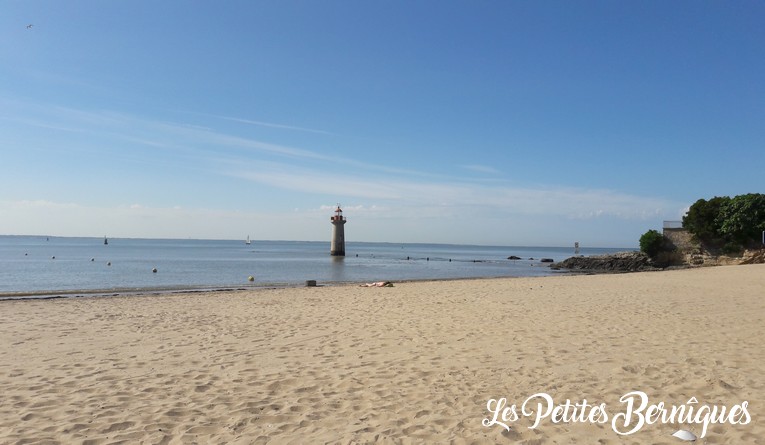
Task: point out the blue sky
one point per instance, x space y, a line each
506 123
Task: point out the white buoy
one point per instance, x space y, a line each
250 278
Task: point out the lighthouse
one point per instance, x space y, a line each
337 248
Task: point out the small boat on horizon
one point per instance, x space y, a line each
248 240
106 241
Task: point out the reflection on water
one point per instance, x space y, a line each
337 269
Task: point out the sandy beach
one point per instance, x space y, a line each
413 363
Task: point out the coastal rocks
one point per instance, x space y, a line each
541 260
754 257
617 262
697 257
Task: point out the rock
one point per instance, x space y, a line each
546 260
617 262
754 257
513 257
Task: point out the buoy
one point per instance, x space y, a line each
92 259
154 270
250 278
53 257
109 263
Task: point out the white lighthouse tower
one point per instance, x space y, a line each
337 248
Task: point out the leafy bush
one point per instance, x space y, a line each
730 223
651 243
702 219
742 220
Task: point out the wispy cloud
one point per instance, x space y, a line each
573 203
271 125
481 169
199 141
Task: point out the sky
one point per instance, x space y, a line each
512 123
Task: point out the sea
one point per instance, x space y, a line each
44 266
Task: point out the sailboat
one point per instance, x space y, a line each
248 240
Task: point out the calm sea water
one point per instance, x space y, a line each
54 264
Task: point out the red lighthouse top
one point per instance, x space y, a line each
338 214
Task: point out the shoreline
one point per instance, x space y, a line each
143 291
158 291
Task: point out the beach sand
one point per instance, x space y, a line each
414 363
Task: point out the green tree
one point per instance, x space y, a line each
742 219
703 219
651 243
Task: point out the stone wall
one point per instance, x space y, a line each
681 239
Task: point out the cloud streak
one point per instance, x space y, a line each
271 125
481 169
573 203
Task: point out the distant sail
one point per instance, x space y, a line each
248 240
106 241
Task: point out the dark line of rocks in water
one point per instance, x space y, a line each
615 262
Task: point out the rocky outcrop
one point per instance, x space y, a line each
754 257
617 262
638 261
